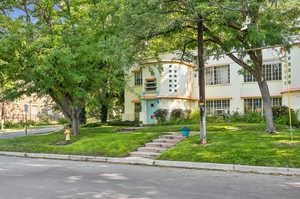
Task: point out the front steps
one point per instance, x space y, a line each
157 146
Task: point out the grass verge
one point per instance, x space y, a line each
101 141
249 145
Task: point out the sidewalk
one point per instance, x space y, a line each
162 163
32 131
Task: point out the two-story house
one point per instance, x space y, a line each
172 84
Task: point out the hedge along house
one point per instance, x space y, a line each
174 85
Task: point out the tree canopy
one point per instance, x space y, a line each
62 48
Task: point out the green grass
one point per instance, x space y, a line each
249 145
91 141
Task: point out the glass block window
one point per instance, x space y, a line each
218 107
270 72
138 78
217 75
172 72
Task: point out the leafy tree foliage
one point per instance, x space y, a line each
62 48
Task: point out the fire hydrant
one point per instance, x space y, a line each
67 133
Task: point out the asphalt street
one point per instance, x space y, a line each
30 132
22 178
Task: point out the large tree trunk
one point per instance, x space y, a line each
267 106
104 114
70 109
201 80
75 122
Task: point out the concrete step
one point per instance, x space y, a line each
152 149
176 137
159 144
144 154
162 140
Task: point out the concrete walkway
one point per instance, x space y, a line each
30 132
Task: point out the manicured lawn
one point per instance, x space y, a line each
91 141
249 145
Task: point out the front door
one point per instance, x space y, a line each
152 106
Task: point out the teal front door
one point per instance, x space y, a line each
152 106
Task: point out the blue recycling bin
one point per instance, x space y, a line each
185 131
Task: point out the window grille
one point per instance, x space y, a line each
138 78
214 107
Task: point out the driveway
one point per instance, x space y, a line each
30 132
51 179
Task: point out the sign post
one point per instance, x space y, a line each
26 111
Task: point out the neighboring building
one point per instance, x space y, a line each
38 109
174 85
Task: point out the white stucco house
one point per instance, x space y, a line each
174 84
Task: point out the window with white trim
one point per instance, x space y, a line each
276 101
217 75
256 104
218 107
270 72
252 105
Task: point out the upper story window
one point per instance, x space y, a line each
217 75
150 84
138 78
270 72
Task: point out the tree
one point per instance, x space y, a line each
60 48
109 98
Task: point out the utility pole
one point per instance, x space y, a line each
201 80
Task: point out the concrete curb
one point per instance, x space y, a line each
162 163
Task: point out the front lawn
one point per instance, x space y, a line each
101 141
249 145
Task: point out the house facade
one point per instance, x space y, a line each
172 84
38 109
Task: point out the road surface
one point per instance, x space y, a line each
22 178
30 132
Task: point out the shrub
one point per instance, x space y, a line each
195 115
281 116
62 120
92 125
124 123
187 114
253 117
161 115
177 114
235 117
